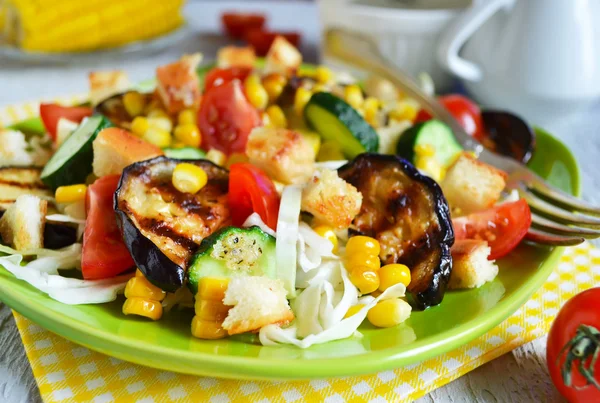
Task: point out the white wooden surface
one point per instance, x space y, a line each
519 376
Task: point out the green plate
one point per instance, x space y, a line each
167 344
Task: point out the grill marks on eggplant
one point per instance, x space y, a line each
408 214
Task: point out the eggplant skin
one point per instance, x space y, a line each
163 227
409 216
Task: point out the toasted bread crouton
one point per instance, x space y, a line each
257 302
470 265
285 155
104 84
331 200
22 225
178 85
234 56
15 181
471 185
283 57
13 149
115 148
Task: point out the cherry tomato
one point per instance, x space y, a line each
502 226
219 76
251 191
465 111
573 343
104 253
52 113
261 40
226 118
237 24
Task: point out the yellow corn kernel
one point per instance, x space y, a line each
216 157
277 117
212 288
178 144
188 134
371 111
140 125
158 137
235 158
70 194
157 112
392 274
143 307
424 150
134 103
365 279
405 110
187 116
301 99
189 178
363 244
323 74
354 96
162 123
353 310
255 92
363 259
431 167
327 232
138 273
330 151
274 84
207 329
388 313
211 310
140 287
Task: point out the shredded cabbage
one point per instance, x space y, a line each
333 165
287 235
255 220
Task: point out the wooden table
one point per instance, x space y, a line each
515 377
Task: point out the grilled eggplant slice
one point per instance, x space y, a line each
17 181
408 214
163 227
114 109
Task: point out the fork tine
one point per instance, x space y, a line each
545 238
557 213
560 229
557 196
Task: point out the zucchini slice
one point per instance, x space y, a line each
336 120
72 162
184 153
433 133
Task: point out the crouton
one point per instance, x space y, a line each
331 200
257 302
233 56
178 86
470 265
13 149
285 155
470 185
22 225
115 148
15 182
104 84
283 57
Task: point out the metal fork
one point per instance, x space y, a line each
557 217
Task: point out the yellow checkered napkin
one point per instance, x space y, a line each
68 372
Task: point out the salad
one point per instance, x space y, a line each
268 196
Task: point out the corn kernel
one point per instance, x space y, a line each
208 330
216 157
157 113
277 117
139 125
323 74
188 134
365 279
327 232
388 313
274 84
143 307
134 103
178 144
70 194
301 99
363 259
330 151
211 310
363 244
405 110
162 123
392 274
158 137
425 150
371 111
212 288
189 178
354 96
187 116
235 158
353 310
431 167
255 92
140 287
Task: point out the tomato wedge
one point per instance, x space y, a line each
52 113
104 252
219 76
261 40
502 226
237 24
465 111
251 191
226 118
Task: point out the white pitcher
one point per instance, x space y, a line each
540 58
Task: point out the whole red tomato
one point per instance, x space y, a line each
574 346
465 111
